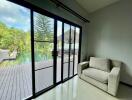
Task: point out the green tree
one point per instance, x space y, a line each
43 32
43 28
14 39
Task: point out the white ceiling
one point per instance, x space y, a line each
93 5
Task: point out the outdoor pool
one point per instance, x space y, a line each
25 58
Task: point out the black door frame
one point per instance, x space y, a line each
79 51
32 9
54 55
69 54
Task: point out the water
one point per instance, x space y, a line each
25 58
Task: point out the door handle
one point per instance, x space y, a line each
54 53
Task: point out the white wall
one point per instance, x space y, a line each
110 35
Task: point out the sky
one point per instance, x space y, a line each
14 15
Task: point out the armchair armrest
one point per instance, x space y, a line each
81 66
113 80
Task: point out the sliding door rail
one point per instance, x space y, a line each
43 41
43 68
60 4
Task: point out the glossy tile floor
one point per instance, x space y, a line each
77 89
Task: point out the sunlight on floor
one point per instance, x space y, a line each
77 89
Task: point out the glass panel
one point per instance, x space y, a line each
71 69
44 46
66 50
71 50
44 78
44 27
43 54
65 71
66 42
15 52
76 49
59 48
72 44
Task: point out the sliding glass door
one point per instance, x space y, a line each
55 61
67 51
43 51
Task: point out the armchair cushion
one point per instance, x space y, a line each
100 63
96 74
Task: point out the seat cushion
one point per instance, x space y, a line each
100 63
96 74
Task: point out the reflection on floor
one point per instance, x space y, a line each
77 89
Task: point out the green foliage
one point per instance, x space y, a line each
43 29
43 32
14 39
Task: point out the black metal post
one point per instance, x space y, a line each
32 54
62 52
55 52
80 43
69 52
74 49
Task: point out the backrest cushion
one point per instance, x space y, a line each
100 63
116 63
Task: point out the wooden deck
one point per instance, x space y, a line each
15 82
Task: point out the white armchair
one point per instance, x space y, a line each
103 73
